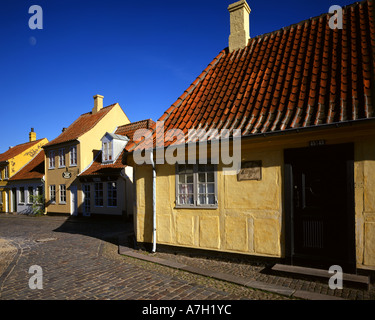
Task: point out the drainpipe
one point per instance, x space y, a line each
153 202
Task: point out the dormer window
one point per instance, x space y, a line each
107 151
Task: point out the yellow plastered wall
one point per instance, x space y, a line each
364 175
20 160
249 218
91 139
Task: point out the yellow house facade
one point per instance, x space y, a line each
72 152
12 161
303 188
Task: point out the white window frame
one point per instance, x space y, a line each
108 151
62 158
51 161
21 199
196 185
112 194
99 194
29 199
6 173
73 156
62 194
52 193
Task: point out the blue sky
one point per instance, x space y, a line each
141 54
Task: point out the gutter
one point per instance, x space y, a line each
153 202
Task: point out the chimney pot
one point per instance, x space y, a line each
98 103
32 135
239 25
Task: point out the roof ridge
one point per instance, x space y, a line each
286 28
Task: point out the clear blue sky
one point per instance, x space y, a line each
141 54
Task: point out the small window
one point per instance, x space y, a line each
62 193
52 193
51 159
62 158
73 156
22 195
39 192
99 194
112 194
6 174
107 151
196 186
31 193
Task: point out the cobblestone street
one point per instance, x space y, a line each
80 260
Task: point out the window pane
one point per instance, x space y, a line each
201 188
181 178
210 177
201 199
190 178
202 177
211 199
186 199
210 188
185 188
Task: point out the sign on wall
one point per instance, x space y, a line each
250 170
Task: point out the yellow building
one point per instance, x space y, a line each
12 161
72 153
301 180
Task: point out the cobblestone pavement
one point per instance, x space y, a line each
79 260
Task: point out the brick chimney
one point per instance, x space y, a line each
239 25
98 103
32 135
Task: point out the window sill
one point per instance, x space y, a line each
62 167
73 165
62 202
197 207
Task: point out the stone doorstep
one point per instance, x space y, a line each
228 277
320 273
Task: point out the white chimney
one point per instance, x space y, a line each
98 103
239 25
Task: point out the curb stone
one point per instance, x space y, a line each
285 291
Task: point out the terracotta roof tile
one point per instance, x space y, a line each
300 76
83 124
14 151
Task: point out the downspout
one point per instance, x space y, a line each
153 202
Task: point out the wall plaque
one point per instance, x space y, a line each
66 175
250 170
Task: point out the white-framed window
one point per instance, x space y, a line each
22 195
112 194
39 192
73 156
52 193
30 191
6 173
107 151
99 194
196 186
62 158
52 160
62 193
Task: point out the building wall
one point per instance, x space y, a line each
25 207
106 209
88 142
249 218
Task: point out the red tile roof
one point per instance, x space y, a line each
98 168
33 170
300 76
14 151
83 124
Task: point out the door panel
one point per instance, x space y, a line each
321 205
